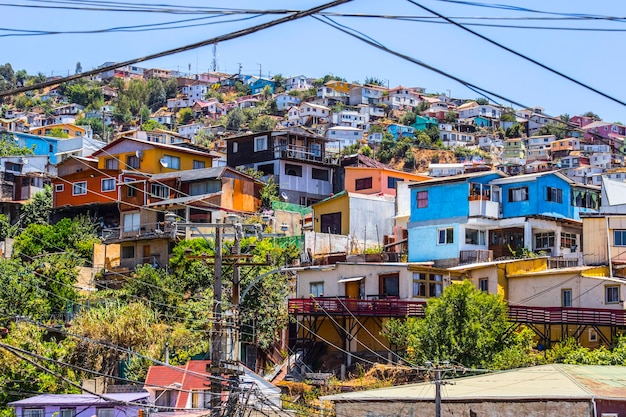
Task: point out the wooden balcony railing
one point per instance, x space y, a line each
402 308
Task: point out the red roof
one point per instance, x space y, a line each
193 376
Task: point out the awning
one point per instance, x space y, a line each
350 279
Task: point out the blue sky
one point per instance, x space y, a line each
312 48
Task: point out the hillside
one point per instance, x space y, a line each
424 157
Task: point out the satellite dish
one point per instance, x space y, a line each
284 196
139 153
163 162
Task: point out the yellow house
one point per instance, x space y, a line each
151 157
70 130
340 86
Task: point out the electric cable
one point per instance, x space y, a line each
217 39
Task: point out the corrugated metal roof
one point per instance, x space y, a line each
555 381
79 399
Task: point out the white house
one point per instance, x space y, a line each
284 101
342 137
299 82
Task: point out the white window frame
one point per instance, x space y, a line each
105 412
315 287
566 302
448 237
609 289
260 143
107 181
58 188
132 222
82 189
33 412
173 162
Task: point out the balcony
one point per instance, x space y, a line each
145 231
390 307
475 256
481 207
567 315
304 153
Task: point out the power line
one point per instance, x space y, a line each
218 39
525 57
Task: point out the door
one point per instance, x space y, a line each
353 290
146 254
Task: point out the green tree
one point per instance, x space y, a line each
57 132
8 147
38 210
375 81
592 115
171 88
464 325
156 96
514 131
506 116
408 118
451 117
150 125
235 120
279 83
22 292
185 116
263 124
269 193
144 113
365 150
94 122
18 376
482 101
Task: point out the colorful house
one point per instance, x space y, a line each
369 180
71 405
296 158
424 122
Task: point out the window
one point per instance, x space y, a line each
131 222
363 183
566 297
59 188
51 148
422 199
266 169
111 163
67 412
200 399
427 285
392 181
317 289
544 240
132 162
619 237
593 337
568 240
612 294
169 161
389 285
293 170
483 284
128 252
445 236
260 143
235 147
319 174
330 223
108 184
130 188
206 187
474 237
160 190
518 194
79 188
105 412
198 164
33 412
554 194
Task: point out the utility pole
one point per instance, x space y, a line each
439 370
216 335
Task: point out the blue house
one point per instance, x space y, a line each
449 215
258 84
398 131
504 215
40 145
424 122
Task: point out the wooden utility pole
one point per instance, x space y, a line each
216 335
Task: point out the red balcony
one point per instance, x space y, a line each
567 315
391 307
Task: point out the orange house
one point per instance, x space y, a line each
70 130
367 180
